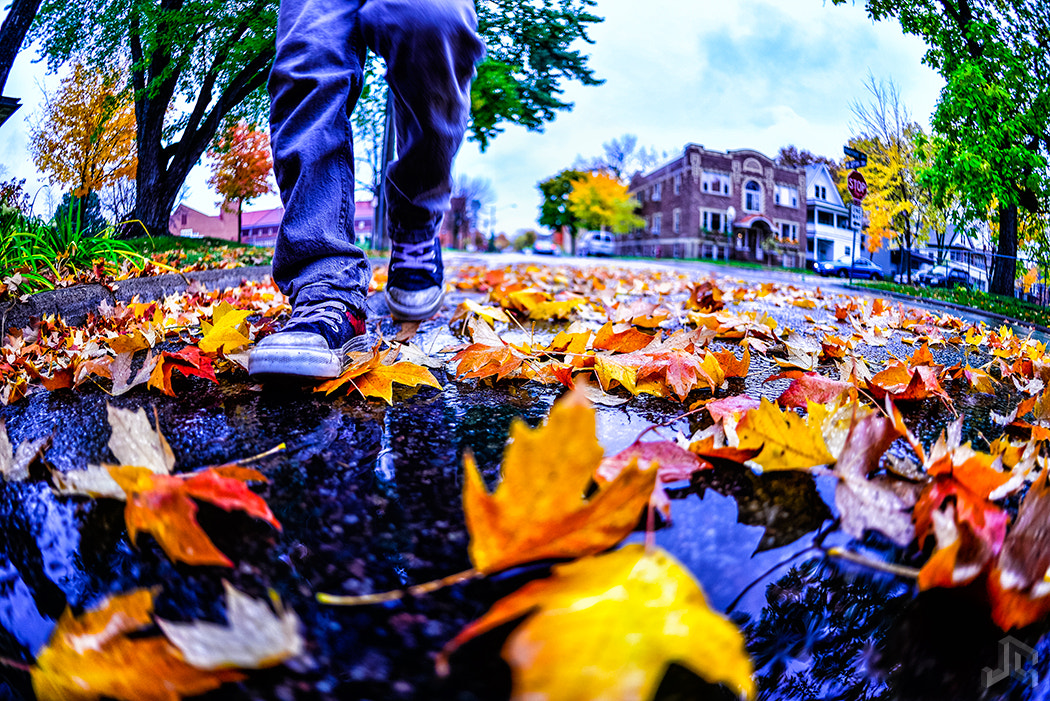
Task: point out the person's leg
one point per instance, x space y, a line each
314 85
430 48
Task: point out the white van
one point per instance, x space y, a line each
596 243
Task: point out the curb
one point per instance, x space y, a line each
955 307
74 303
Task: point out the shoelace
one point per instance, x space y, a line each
414 255
324 312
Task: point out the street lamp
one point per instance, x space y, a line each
730 217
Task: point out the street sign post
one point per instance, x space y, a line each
857 185
859 159
856 217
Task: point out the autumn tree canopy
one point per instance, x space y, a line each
85 140
600 201
241 165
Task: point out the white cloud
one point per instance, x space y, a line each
728 74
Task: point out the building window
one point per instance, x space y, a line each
657 189
786 196
716 183
825 218
789 231
820 192
712 221
657 220
752 197
678 184
676 220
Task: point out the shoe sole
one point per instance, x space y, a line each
403 313
305 363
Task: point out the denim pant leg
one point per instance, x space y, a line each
314 85
430 48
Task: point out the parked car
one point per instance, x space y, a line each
596 243
544 246
862 268
945 276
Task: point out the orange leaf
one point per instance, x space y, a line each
91 656
161 506
188 361
539 510
627 340
731 367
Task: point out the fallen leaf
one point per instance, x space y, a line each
227 332
621 339
253 637
1018 588
608 626
163 506
14 463
133 441
881 504
673 462
92 656
809 387
539 510
188 361
787 441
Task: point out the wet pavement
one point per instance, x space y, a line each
369 499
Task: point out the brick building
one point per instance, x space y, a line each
739 204
258 227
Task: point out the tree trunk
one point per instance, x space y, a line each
1004 267
240 203
13 32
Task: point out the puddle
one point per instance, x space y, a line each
369 497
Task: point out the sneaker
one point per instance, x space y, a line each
312 344
415 282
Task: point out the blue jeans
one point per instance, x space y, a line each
430 48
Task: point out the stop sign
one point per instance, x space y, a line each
857 185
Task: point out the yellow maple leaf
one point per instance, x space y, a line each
788 441
379 382
609 370
539 510
228 330
369 375
607 627
91 656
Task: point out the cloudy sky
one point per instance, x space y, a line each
726 74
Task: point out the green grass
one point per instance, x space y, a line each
1007 306
181 253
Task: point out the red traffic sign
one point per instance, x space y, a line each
857 185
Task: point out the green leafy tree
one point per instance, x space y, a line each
193 64
555 212
531 49
992 123
197 62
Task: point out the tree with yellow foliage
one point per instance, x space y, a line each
897 207
599 201
85 140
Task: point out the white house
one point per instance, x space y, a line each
828 233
